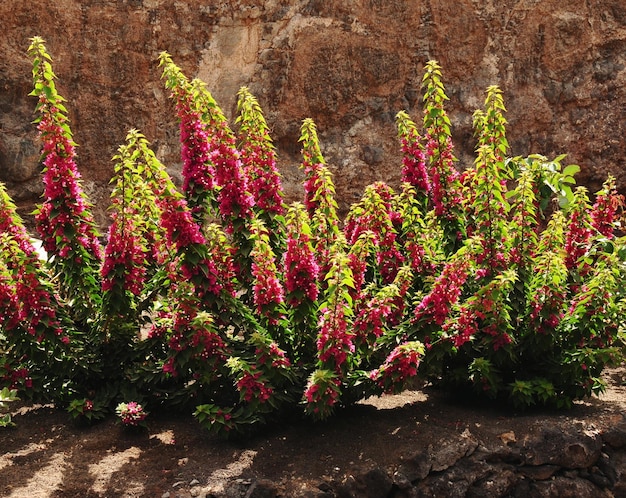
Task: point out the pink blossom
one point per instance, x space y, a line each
322 393
64 201
12 225
444 178
234 198
377 217
198 171
251 387
273 356
414 169
435 306
401 364
464 327
268 291
264 179
334 342
577 239
123 256
300 268
131 413
169 368
606 208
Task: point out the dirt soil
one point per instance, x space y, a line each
47 455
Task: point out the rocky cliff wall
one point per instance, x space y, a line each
349 65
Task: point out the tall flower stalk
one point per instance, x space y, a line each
268 289
64 219
319 195
198 169
375 214
258 155
414 169
605 214
445 185
135 243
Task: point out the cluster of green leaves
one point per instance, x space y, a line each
6 396
223 300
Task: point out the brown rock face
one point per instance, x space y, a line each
349 65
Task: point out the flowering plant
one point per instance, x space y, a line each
131 414
223 300
86 410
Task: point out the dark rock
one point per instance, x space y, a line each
234 489
325 487
368 482
522 489
437 458
373 155
455 481
262 489
416 467
538 472
607 467
615 436
401 481
498 483
404 493
569 449
564 487
315 493
451 451
600 480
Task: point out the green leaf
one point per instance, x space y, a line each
571 170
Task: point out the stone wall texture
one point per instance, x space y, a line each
351 65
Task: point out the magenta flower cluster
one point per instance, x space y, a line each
379 218
198 170
37 312
123 255
131 414
263 178
272 356
234 198
372 318
606 208
187 333
464 327
334 341
322 393
443 176
301 269
577 239
436 305
251 385
313 184
64 201
30 304
267 288
546 308
16 378
401 365
414 170
8 300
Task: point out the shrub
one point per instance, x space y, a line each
224 300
